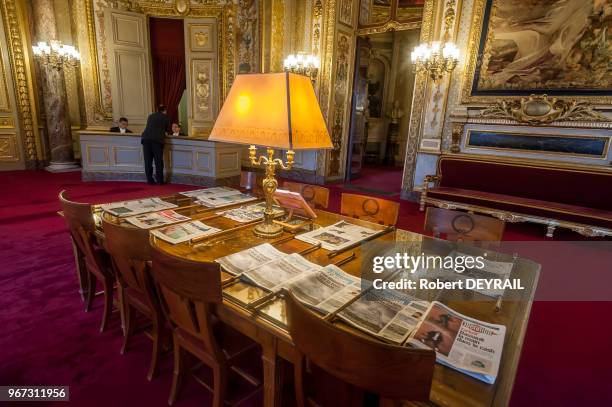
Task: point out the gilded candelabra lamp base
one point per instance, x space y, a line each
269 229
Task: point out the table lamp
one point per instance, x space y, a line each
273 110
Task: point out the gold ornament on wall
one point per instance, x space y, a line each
539 109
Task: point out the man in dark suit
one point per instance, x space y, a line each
122 128
152 140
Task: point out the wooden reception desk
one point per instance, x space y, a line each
188 160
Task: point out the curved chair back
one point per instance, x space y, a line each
129 248
369 208
315 195
189 290
463 226
393 372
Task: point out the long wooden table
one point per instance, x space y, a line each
266 324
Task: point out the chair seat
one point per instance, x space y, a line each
233 343
528 206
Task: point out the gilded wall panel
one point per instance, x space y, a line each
202 90
9 150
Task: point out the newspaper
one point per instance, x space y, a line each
491 270
137 207
468 345
280 272
210 192
249 259
337 236
326 289
388 314
249 213
184 231
154 219
224 200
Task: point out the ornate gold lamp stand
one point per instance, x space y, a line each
268 228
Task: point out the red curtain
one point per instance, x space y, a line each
168 55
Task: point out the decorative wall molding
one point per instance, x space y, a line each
540 109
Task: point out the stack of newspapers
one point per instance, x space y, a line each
468 345
137 207
249 213
217 197
337 236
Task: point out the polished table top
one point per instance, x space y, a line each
266 322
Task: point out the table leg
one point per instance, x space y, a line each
272 376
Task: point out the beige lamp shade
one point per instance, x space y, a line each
278 110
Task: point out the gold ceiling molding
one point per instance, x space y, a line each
390 26
542 110
474 60
15 25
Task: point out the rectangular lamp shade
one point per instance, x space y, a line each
278 110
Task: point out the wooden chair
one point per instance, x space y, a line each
251 181
392 372
95 261
316 196
371 209
190 292
463 226
131 254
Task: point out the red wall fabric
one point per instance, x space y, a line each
168 55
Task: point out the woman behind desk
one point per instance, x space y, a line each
152 140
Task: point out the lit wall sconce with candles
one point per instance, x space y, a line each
302 64
56 54
439 57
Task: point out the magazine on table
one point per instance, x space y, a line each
184 232
249 259
137 207
281 272
155 219
466 344
249 213
327 289
337 236
224 200
387 314
210 192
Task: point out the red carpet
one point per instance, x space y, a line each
47 339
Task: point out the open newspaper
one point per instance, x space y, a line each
249 259
137 207
327 289
184 232
249 213
337 236
281 272
210 192
155 219
387 314
466 344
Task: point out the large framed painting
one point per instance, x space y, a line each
554 47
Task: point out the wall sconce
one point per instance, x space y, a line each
302 64
56 54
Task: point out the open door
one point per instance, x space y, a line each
358 131
128 45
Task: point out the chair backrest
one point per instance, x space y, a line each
393 372
463 226
315 195
82 226
189 290
368 208
130 251
251 181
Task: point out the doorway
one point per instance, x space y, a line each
380 112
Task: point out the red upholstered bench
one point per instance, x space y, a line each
553 194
